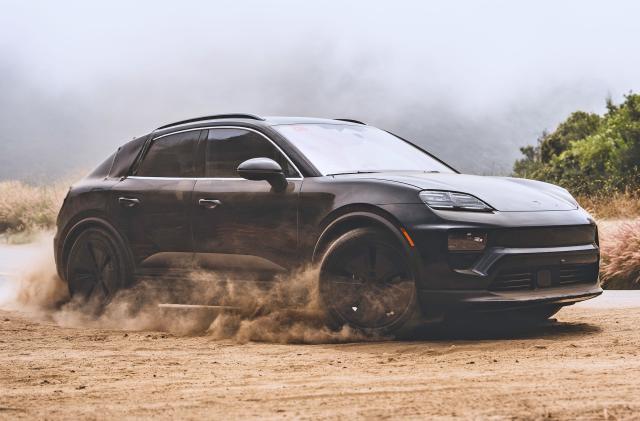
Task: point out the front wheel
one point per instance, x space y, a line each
96 268
366 282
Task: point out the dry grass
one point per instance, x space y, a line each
617 206
618 218
26 209
620 251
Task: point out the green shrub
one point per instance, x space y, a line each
589 154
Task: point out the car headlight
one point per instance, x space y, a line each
450 200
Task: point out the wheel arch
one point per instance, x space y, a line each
77 227
355 216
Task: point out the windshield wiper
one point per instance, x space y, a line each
373 172
353 172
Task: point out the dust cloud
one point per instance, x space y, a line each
34 283
288 311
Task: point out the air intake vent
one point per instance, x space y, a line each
539 277
578 274
513 281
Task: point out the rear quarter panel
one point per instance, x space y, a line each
88 198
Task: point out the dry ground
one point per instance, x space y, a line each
587 365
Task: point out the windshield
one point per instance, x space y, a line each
342 148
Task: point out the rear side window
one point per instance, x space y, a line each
171 156
228 148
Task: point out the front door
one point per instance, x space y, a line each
242 225
154 203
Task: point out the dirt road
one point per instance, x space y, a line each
586 366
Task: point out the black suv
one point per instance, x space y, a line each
396 233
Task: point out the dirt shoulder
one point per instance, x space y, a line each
586 365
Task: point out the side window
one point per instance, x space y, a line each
171 156
228 148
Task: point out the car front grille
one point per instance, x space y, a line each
543 236
560 276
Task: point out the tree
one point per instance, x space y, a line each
588 153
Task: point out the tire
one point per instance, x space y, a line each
367 283
97 268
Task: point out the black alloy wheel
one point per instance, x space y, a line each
366 282
96 268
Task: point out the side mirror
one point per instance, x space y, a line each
263 169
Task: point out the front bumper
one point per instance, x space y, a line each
441 302
531 259
509 279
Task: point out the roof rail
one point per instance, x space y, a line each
350 120
212 117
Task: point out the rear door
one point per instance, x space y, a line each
240 224
153 204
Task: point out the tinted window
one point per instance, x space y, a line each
171 156
228 148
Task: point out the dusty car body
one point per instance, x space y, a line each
255 195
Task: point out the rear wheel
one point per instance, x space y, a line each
96 268
366 282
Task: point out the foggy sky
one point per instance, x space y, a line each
472 81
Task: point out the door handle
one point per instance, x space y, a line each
128 202
209 203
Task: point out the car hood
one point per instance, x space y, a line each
504 194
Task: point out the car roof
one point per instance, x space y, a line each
278 120
249 119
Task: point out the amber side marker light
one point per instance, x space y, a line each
408 237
